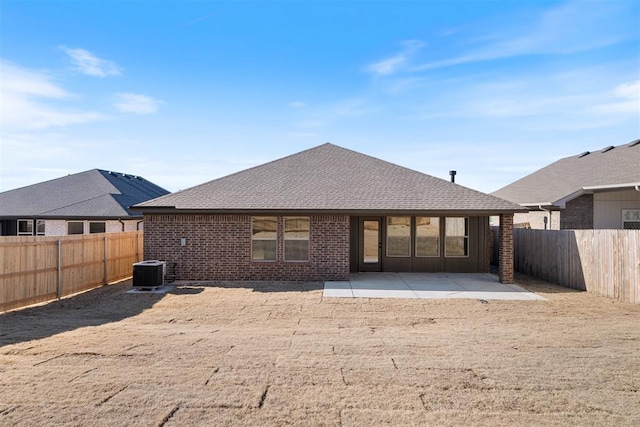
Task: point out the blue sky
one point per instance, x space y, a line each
185 92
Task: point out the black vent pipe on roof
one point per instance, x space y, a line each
453 175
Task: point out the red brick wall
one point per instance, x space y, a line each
578 214
505 249
218 247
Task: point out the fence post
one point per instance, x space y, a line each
59 288
106 272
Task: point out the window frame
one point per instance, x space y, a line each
75 222
465 237
29 223
388 246
104 224
307 239
438 237
254 239
627 215
44 227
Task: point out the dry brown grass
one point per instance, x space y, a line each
269 354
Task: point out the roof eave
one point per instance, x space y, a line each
350 212
591 189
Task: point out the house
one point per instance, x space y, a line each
321 214
95 201
592 190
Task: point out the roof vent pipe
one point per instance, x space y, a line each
453 176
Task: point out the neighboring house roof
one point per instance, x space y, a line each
554 185
329 178
92 194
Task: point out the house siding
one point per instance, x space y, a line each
578 214
607 207
218 247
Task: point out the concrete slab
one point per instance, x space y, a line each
337 290
428 286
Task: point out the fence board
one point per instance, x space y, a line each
29 265
602 262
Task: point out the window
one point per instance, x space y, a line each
40 223
296 239
398 236
631 219
75 227
264 238
427 236
25 227
97 227
456 237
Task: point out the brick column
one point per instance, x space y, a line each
505 244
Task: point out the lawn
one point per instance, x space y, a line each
277 354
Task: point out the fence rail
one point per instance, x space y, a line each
602 262
38 269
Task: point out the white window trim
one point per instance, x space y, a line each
44 222
19 233
624 216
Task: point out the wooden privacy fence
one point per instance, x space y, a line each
37 269
602 262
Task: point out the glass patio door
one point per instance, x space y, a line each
370 244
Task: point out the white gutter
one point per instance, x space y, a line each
562 203
635 185
536 204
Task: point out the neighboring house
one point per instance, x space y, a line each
321 214
593 190
95 201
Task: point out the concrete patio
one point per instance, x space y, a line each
481 286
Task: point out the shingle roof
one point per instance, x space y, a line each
329 178
610 166
94 193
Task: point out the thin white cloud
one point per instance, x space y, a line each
572 27
627 101
26 101
297 104
398 61
91 65
136 103
562 101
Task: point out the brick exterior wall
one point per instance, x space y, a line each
218 247
578 214
505 244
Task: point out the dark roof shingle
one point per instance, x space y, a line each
329 178
93 193
610 166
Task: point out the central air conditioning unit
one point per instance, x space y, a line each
149 274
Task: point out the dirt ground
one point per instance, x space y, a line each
280 354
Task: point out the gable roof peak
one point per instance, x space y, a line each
328 178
